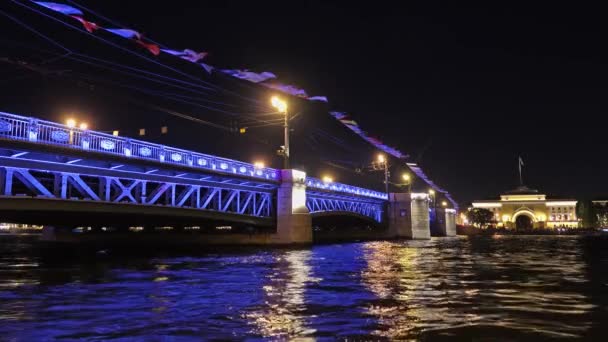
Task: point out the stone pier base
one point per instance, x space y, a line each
408 216
446 222
294 223
420 228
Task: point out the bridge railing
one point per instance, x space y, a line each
16 127
316 183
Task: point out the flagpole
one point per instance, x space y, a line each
519 162
521 181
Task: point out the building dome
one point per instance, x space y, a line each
522 190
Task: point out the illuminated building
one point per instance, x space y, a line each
527 208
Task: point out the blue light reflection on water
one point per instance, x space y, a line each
518 287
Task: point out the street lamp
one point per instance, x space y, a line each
281 106
384 163
408 181
71 123
444 204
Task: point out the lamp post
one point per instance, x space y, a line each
408 181
281 106
432 196
71 123
384 164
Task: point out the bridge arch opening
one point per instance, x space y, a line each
345 226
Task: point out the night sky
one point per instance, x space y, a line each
463 90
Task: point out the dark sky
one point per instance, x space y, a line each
463 89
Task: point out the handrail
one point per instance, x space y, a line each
39 131
34 130
316 183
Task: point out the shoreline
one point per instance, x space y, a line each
463 230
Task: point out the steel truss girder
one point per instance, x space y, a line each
322 202
16 181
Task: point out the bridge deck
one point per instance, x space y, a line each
43 134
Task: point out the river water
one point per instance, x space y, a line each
509 287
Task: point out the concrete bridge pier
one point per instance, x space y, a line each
408 216
446 221
294 223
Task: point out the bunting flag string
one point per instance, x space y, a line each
318 98
187 54
125 33
208 68
266 79
61 8
420 174
137 37
353 126
249 75
286 88
88 25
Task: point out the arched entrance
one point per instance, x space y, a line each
523 222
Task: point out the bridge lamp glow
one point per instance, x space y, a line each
327 179
83 126
431 192
279 104
381 158
258 164
444 204
71 123
406 177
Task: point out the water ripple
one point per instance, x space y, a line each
482 287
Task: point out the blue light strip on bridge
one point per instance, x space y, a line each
22 128
16 127
349 189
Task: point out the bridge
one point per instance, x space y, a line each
57 175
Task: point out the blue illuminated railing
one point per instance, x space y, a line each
16 127
339 187
23 128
